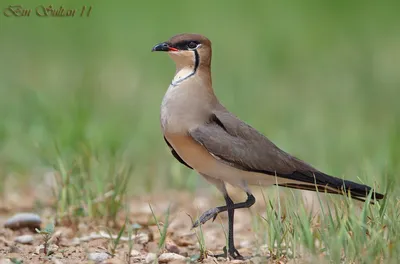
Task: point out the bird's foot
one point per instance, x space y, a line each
233 253
212 213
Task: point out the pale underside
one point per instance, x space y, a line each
206 163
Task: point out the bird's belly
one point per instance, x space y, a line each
203 162
192 153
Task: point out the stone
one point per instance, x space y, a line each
24 239
135 253
150 258
168 257
172 247
98 257
22 220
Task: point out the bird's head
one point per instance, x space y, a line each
187 50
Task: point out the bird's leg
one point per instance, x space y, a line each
212 213
231 242
230 207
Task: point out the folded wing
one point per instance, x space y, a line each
241 146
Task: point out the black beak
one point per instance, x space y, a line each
161 47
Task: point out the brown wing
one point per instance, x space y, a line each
243 147
237 143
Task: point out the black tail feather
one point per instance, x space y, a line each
324 183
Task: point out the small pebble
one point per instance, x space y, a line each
168 257
98 257
172 247
150 258
135 253
25 239
23 220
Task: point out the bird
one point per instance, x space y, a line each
204 136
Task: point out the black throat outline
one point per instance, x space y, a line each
196 66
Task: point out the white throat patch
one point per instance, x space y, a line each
183 74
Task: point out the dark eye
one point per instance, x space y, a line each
192 45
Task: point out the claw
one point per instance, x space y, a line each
215 216
223 255
196 224
234 254
212 213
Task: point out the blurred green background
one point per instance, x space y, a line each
321 79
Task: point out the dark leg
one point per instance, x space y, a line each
230 207
231 242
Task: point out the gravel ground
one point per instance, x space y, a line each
87 241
